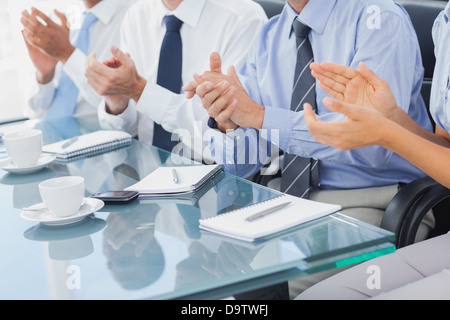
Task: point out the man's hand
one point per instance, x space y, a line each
218 79
116 78
363 126
44 64
224 97
363 87
51 38
135 229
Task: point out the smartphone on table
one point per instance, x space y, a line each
116 197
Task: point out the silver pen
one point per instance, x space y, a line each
267 211
175 176
69 142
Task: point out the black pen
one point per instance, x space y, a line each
175 176
267 211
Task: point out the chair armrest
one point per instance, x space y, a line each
403 202
428 201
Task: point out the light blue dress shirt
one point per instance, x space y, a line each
440 89
344 32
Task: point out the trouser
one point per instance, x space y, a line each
366 205
274 292
418 271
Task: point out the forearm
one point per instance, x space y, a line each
252 117
45 78
421 152
404 120
136 90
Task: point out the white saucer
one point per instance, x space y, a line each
86 227
43 215
44 160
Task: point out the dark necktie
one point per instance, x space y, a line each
169 74
65 99
299 174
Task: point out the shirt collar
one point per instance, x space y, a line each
447 12
189 11
315 14
105 10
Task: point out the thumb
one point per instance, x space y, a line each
91 59
309 114
350 111
233 75
370 76
215 62
121 56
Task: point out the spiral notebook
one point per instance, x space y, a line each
190 198
266 218
189 179
89 144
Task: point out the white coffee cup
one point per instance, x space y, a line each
62 196
24 147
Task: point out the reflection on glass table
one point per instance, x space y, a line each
154 249
67 242
134 256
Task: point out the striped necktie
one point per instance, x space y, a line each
65 99
300 175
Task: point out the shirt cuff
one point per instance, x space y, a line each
212 123
47 89
125 121
279 119
75 65
40 99
154 101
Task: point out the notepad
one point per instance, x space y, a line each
161 181
89 144
190 198
238 223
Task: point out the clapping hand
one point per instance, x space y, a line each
359 129
224 97
363 87
49 37
117 79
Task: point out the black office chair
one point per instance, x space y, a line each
423 14
271 7
407 209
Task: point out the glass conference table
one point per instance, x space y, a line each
155 249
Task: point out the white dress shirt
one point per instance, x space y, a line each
104 33
228 27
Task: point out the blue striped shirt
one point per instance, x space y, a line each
346 32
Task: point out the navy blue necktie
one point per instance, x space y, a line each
169 74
